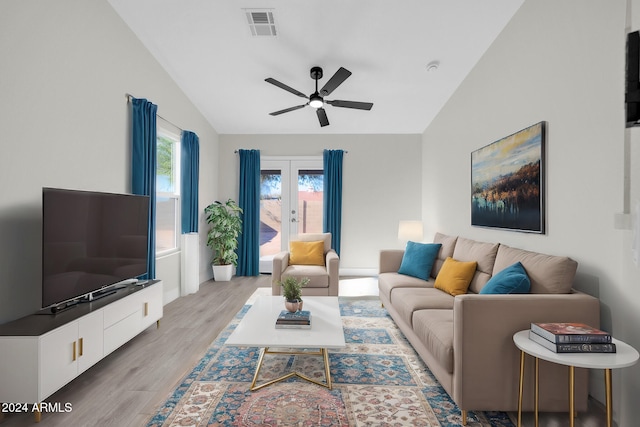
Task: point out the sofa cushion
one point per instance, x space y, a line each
481 252
408 300
306 253
455 276
511 280
318 277
548 274
389 281
448 245
418 259
435 330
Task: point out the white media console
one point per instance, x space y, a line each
41 353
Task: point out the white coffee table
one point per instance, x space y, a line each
625 356
257 329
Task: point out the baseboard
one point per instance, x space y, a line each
170 295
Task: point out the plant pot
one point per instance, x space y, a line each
222 273
293 305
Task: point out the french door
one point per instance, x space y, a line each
291 192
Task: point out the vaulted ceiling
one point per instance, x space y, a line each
208 48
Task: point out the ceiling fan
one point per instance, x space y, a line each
316 99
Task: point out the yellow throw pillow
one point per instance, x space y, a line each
455 276
306 253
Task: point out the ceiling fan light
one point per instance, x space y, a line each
315 101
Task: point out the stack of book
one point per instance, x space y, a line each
297 320
571 338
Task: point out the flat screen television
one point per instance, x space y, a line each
90 241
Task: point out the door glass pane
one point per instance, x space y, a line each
270 212
310 187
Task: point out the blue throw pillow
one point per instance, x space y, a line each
418 259
511 280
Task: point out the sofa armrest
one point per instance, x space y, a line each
390 260
484 352
280 263
332 261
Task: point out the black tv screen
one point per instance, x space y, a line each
90 240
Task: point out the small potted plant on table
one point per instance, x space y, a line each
226 226
292 291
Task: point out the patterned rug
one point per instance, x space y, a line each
378 380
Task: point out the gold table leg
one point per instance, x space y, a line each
322 352
536 393
607 382
572 376
535 390
327 370
520 388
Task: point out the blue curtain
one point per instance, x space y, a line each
143 168
249 201
332 199
189 172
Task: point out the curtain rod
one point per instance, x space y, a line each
236 152
130 97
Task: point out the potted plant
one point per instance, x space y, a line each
226 226
292 291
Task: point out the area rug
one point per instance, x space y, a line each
378 380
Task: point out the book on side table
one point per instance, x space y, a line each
581 347
296 320
571 338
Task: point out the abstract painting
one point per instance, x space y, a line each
507 182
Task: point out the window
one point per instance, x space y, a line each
167 192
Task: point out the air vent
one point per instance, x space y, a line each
261 22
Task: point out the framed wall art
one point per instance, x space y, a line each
507 182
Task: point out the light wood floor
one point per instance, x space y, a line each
128 386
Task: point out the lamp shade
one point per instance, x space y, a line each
410 230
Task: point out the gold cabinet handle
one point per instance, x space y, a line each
146 309
81 342
74 352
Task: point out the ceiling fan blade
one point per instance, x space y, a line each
336 80
350 104
286 110
285 87
322 117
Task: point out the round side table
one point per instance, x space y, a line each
625 356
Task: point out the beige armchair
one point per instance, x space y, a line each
323 279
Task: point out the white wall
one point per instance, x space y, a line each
564 63
628 314
381 184
66 66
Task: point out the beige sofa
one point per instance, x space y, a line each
466 340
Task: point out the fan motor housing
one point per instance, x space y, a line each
316 73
